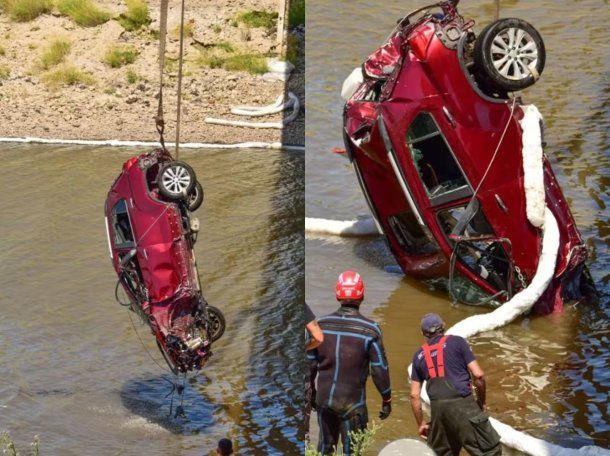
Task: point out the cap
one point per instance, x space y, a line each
225 446
431 323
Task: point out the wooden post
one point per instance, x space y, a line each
497 11
281 25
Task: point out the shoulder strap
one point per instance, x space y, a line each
440 358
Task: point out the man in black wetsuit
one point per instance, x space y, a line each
447 364
352 346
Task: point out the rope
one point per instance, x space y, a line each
146 349
179 90
159 120
493 158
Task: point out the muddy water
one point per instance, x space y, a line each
548 376
73 370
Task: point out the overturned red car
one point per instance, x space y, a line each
432 128
151 234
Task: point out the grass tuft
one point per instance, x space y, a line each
67 76
2 51
84 12
189 30
118 56
7 446
55 53
224 55
5 72
25 10
257 19
296 13
132 76
136 16
252 63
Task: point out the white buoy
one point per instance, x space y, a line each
405 447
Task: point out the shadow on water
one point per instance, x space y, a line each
157 399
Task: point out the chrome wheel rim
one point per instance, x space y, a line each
176 179
514 54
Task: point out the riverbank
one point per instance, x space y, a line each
59 79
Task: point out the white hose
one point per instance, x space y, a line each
293 102
350 228
120 143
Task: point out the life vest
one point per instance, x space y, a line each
439 371
439 386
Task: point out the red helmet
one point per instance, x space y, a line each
350 287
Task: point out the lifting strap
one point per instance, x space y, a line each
440 358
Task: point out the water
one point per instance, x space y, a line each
547 376
73 370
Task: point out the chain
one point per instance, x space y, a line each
520 277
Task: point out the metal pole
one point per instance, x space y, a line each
281 21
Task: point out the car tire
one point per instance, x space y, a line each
509 55
176 180
217 323
195 198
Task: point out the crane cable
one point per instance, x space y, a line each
159 118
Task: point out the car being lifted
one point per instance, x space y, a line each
433 131
151 234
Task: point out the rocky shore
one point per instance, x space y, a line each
120 103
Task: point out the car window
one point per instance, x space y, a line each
410 235
123 234
435 164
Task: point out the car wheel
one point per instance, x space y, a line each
509 54
176 180
216 323
195 198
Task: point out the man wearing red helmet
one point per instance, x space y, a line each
352 347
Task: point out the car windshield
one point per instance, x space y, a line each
434 161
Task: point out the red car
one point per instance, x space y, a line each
151 234
427 114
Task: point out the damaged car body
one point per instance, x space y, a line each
151 234
436 145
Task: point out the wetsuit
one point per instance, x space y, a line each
352 347
457 420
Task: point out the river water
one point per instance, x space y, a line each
72 369
547 376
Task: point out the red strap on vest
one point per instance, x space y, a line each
440 358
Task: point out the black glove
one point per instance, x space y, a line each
386 409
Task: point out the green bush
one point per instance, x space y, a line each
189 30
67 76
84 12
296 13
25 10
257 19
359 442
55 53
136 16
118 56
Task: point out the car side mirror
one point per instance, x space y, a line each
128 257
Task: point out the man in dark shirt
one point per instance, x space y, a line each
352 347
313 338
446 363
